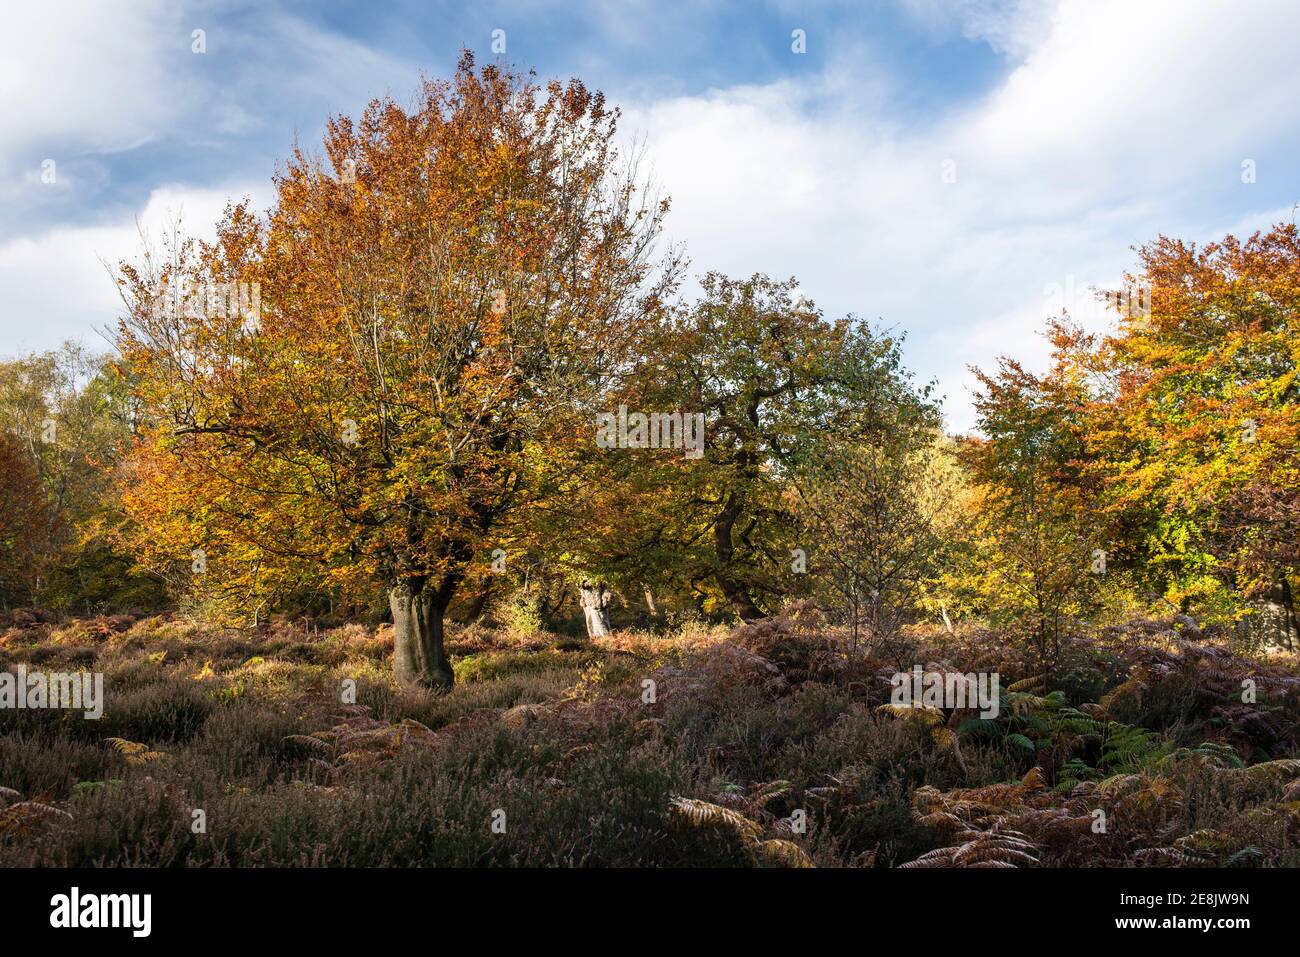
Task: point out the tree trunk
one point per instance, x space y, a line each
479 604
738 597
595 609
1288 606
1274 621
419 660
733 590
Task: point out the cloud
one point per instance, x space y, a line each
1011 27
57 285
115 96
49 54
1103 136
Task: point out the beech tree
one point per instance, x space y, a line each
403 356
1196 432
794 407
1040 549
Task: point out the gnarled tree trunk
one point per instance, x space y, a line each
733 589
419 660
479 604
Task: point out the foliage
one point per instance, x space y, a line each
1197 438
65 424
1169 446
744 759
440 310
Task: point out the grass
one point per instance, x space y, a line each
767 746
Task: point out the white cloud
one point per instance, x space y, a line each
49 55
1097 140
1013 27
58 285
82 81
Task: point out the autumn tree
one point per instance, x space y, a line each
24 514
716 522
68 410
403 357
1040 550
795 408
752 356
1196 433
875 494
45 405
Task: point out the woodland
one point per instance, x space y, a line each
432 517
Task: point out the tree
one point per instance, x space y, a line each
713 521
437 316
1039 550
877 497
68 409
751 356
23 517
45 403
1197 436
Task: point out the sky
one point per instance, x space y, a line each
955 171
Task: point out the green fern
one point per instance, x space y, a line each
1126 747
1020 741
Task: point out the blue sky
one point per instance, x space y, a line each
955 170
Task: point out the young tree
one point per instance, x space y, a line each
877 492
1041 551
441 308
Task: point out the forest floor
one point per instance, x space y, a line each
768 745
